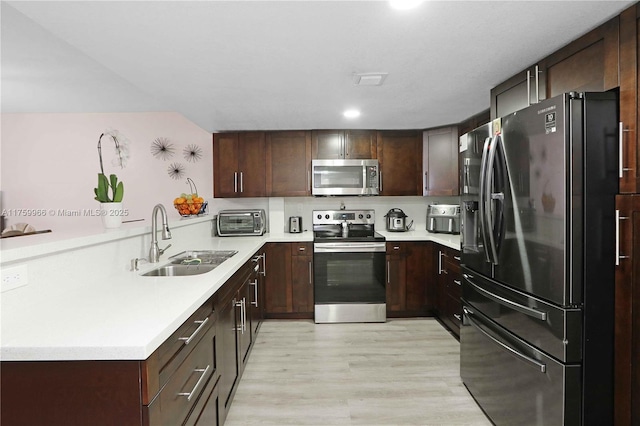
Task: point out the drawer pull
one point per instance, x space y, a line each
204 371
396 247
188 340
457 282
458 317
301 248
457 258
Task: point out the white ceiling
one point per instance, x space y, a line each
243 65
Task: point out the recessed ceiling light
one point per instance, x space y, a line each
369 79
351 113
405 4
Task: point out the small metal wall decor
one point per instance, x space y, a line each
161 148
192 153
176 171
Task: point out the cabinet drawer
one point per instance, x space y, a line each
397 248
301 249
177 347
183 389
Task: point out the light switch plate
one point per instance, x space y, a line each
14 277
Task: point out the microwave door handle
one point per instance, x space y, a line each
482 196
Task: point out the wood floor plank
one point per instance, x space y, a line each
402 372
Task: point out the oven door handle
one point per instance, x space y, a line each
349 247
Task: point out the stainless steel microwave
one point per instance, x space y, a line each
241 222
344 177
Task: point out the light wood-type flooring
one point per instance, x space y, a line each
402 372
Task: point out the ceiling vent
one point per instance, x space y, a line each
369 79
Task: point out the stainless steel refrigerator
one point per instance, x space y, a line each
537 211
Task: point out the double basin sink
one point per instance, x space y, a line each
190 262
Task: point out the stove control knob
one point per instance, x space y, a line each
368 216
360 216
326 216
319 216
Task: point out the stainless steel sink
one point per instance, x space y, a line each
191 262
179 270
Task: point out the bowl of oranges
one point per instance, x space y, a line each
190 205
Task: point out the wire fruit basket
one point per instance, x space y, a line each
190 204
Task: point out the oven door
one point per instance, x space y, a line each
349 282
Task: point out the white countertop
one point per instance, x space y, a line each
125 316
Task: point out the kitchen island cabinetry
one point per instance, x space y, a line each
408 288
288 163
590 63
440 162
288 284
627 312
176 384
448 279
400 161
238 164
343 144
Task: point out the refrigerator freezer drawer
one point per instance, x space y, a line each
555 330
513 382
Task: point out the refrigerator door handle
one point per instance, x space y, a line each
541 366
492 251
532 312
482 195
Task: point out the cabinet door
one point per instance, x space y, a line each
277 283
396 288
629 99
360 144
627 312
225 164
243 321
440 161
514 94
288 164
327 144
251 164
227 353
400 158
302 284
419 298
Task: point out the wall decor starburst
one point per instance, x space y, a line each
162 148
192 153
176 171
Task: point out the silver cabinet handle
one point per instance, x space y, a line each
528 87
458 317
380 174
440 254
244 314
542 367
388 272
618 255
241 182
396 247
235 181
621 166
457 282
255 292
190 395
537 85
426 180
310 273
188 340
457 258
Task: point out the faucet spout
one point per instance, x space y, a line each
155 251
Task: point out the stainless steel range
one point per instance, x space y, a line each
349 267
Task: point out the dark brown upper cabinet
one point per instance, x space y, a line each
238 164
440 162
590 63
343 144
400 158
288 163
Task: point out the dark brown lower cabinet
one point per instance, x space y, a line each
288 284
189 380
448 279
409 291
627 312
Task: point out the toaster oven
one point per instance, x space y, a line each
232 223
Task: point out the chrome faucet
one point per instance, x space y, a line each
155 252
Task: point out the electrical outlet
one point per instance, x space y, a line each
13 277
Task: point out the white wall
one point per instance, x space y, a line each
49 162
